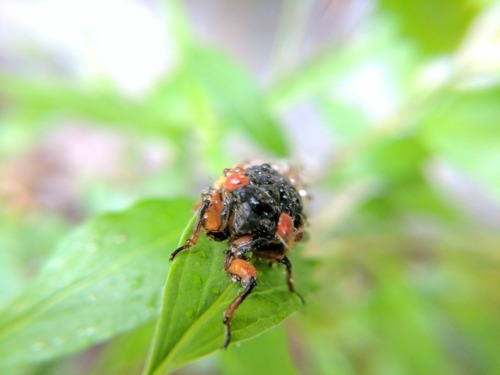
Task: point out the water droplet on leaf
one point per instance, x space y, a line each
37 346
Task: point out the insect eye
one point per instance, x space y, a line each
236 181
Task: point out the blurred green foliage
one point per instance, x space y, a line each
404 232
435 27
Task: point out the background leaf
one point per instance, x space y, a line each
464 130
434 26
266 354
196 295
103 279
232 100
43 100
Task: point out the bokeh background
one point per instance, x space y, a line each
390 108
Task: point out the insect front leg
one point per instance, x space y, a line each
239 248
196 230
243 272
242 248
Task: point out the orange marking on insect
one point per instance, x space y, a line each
244 270
236 181
212 217
285 228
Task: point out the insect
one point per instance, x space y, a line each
258 209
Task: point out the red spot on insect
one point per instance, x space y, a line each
236 181
285 228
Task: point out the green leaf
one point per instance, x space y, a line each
164 113
103 279
124 354
197 293
434 26
464 130
402 317
265 354
336 76
233 97
20 253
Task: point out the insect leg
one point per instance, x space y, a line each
289 277
196 230
241 248
248 284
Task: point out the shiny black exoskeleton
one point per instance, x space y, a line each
256 207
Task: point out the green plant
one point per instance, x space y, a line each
400 272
